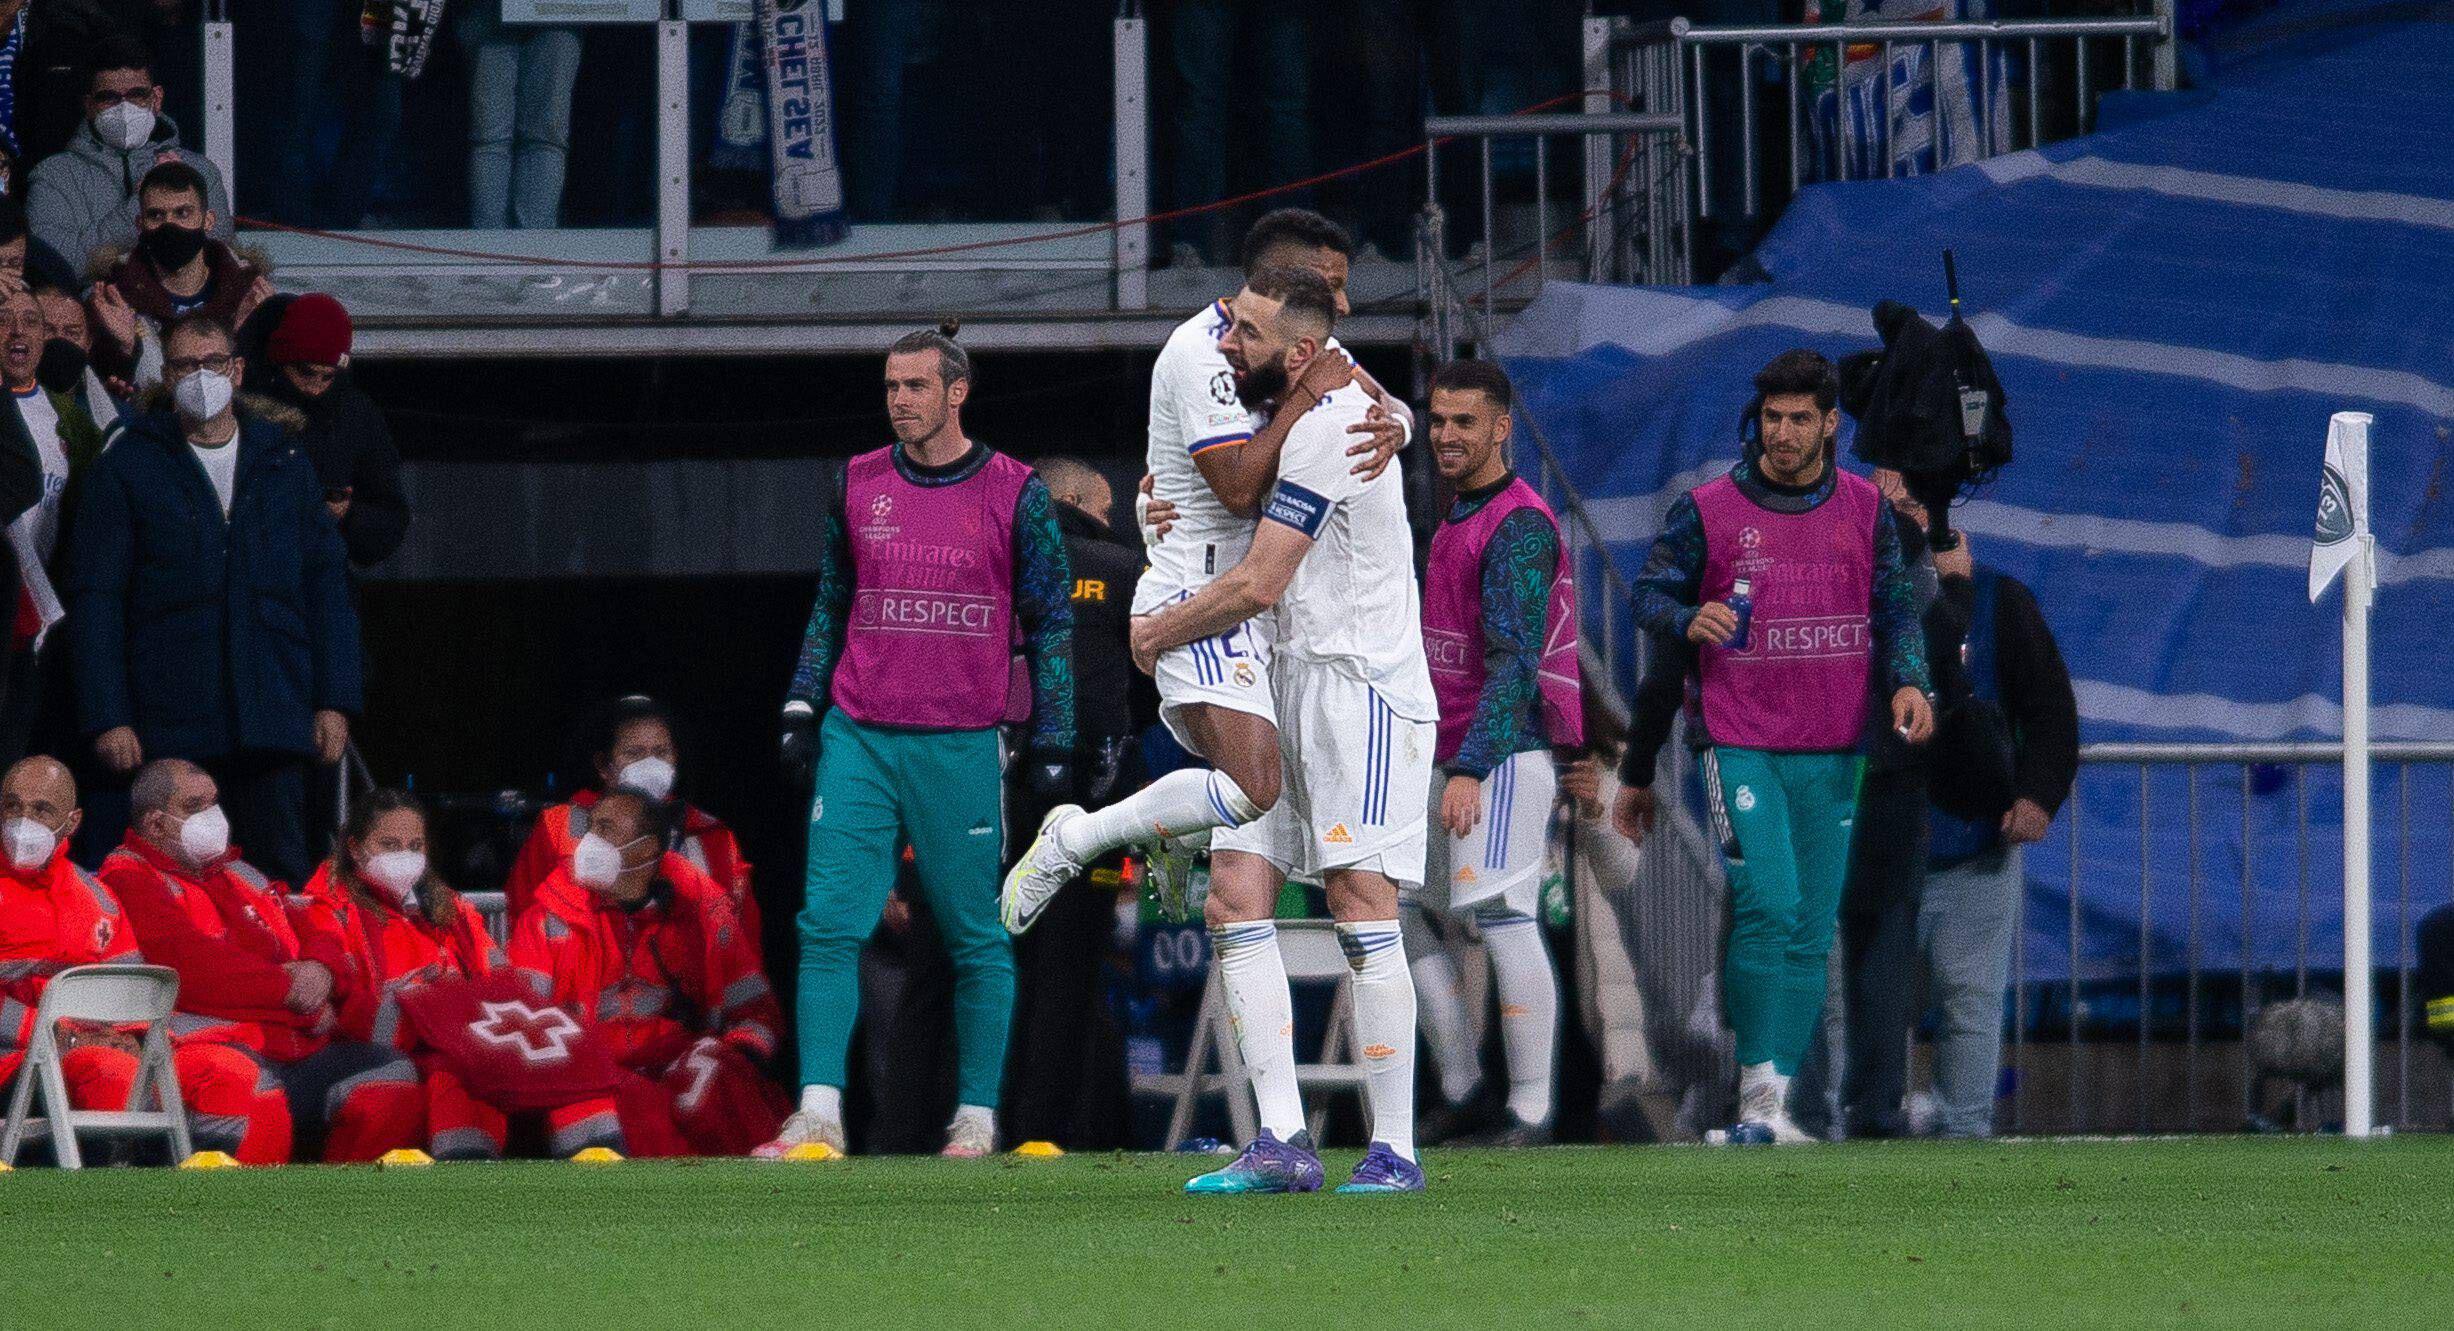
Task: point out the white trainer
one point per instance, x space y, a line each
1765 1103
970 1138
1033 881
802 1129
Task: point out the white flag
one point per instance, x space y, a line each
2343 499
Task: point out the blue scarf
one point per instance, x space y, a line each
8 87
806 180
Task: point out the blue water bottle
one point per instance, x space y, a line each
1742 602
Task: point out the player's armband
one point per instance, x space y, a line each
1292 505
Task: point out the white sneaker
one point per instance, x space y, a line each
802 1129
970 1138
1169 863
1035 878
1763 1103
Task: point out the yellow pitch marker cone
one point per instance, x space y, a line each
210 1160
811 1151
598 1155
7 1168
1039 1150
406 1157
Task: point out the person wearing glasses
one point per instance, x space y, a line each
209 614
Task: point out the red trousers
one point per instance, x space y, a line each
232 1104
358 1100
633 1120
720 1101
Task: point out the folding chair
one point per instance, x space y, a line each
1310 951
116 996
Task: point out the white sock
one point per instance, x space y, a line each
1189 799
1529 1009
1262 1011
824 1103
981 1115
1384 1024
1443 1009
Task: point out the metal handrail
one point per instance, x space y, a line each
1824 34
2315 751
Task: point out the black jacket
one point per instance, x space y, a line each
345 436
1104 678
2035 688
209 635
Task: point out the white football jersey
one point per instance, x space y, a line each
1353 604
1193 407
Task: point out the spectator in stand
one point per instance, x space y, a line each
177 269
520 80
246 664
631 744
1067 1071
22 258
50 425
64 39
1204 39
54 915
68 367
1965 919
84 198
339 113
380 919
646 951
307 344
201 910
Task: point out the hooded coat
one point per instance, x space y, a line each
83 198
208 635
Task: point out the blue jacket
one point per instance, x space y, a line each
208 636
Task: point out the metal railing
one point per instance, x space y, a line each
2140 1033
645 286
2185 1011
1673 65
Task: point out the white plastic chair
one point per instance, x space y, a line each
117 996
1310 951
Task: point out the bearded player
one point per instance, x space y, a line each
1213 458
1333 556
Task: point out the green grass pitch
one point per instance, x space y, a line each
2229 1232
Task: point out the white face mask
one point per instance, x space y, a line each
124 126
205 836
651 776
596 862
30 843
203 395
398 873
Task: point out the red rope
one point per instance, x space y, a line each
933 251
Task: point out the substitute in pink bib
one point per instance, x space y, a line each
1812 633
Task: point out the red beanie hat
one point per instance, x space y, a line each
313 331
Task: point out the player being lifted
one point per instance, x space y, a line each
1333 555
1212 461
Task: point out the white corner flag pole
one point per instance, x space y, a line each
2345 544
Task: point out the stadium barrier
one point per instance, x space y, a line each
2143 1022
1885 125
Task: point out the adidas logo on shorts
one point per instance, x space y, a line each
1466 874
1337 835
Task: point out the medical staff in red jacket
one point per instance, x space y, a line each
53 916
201 910
384 921
648 952
634 747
